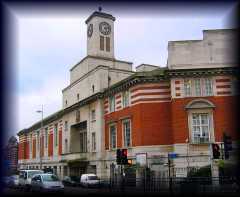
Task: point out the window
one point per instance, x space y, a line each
92 88
201 87
56 134
208 87
66 102
46 137
78 97
187 87
112 103
101 43
83 142
66 146
94 141
107 44
127 133
197 84
200 127
66 126
112 136
93 114
78 116
125 97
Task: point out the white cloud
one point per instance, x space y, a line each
49 95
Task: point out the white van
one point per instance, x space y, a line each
25 177
89 180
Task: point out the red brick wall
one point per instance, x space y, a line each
21 150
60 141
150 123
167 122
224 117
50 144
26 150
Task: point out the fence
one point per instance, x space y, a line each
193 185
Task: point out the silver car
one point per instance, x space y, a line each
46 183
14 181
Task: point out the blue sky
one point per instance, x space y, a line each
48 45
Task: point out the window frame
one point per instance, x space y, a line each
130 133
191 90
83 148
211 125
124 98
56 134
110 136
93 118
110 103
94 142
108 48
101 43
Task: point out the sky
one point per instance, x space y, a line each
47 44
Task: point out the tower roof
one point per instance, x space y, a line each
100 14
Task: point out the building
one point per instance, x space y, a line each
181 108
11 156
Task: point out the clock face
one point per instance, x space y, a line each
104 28
90 30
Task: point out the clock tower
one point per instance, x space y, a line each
100 35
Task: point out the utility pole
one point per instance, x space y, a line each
41 145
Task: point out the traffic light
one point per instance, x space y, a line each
124 157
216 151
119 156
227 140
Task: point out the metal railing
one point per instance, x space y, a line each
176 185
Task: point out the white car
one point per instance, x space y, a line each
46 183
25 178
89 180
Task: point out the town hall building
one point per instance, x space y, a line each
183 108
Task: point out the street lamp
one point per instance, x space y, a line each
41 111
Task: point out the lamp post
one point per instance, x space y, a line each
41 111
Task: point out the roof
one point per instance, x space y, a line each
157 75
100 14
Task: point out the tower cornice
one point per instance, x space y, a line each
100 14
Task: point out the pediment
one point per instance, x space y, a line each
199 104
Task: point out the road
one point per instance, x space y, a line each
67 190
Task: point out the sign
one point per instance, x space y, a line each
141 159
172 155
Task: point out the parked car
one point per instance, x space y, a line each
25 178
46 183
71 181
14 181
90 180
5 181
